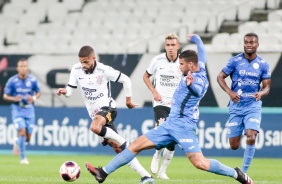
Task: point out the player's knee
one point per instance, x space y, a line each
251 140
234 147
96 129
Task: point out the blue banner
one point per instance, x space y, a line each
67 130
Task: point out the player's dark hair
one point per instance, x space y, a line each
189 56
85 51
22 59
252 34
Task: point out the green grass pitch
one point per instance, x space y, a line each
44 169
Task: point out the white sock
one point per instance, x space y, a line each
167 156
158 153
136 166
110 134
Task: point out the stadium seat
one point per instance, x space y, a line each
247 27
219 42
275 16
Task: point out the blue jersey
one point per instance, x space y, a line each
27 87
186 99
246 77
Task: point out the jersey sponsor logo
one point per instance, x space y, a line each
255 120
247 83
252 74
22 90
185 140
95 97
88 91
167 76
231 124
80 78
243 72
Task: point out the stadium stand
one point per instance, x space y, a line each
66 19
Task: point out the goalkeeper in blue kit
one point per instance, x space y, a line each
180 126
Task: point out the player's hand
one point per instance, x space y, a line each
189 78
129 104
235 97
257 96
18 98
61 91
157 96
190 36
30 99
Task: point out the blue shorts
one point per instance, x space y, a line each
239 123
175 131
27 123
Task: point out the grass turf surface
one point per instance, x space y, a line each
44 169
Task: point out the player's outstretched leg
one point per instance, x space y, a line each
242 177
99 174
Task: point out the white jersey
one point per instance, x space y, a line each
167 75
95 87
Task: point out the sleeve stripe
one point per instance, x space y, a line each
118 76
72 86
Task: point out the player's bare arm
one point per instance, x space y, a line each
129 103
156 94
221 81
264 91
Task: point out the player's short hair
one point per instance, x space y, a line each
252 34
189 56
85 51
171 37
22 59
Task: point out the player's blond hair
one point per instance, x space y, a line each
171 36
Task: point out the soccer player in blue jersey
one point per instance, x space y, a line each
180 126
22 90
247 72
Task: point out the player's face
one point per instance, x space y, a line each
171 47
250 45
185 66
22 69
88 63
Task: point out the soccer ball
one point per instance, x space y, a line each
70 171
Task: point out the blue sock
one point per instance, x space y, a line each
120 159
218 168
21 143
248 157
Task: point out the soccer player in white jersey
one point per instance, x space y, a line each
251 79
93 79
165 70
181 124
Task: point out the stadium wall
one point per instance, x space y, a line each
66 130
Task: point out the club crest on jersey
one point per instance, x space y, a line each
28 84
99 79
256 66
